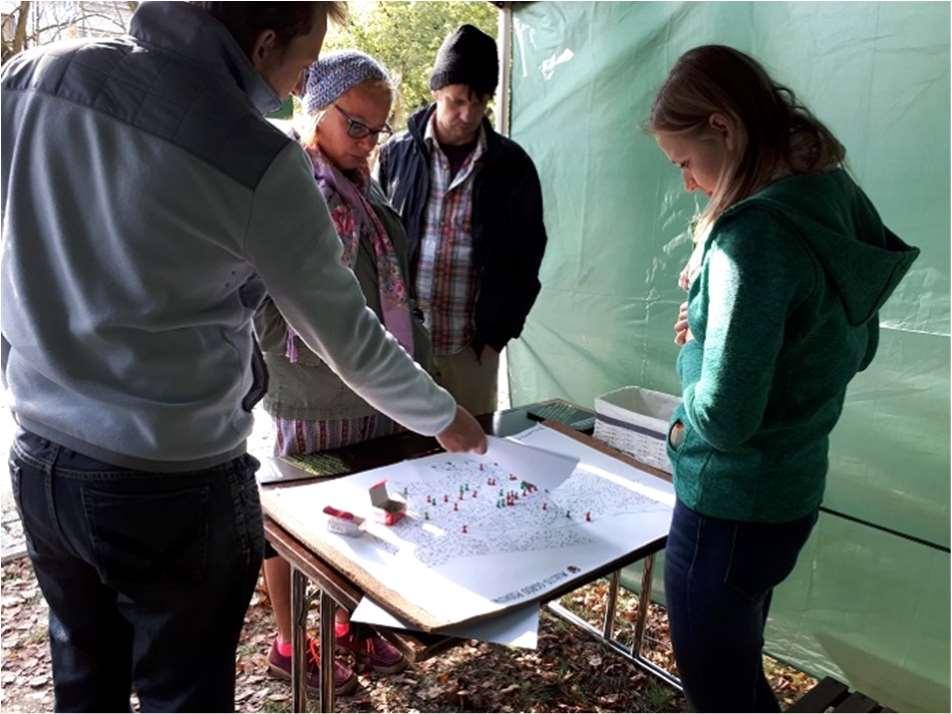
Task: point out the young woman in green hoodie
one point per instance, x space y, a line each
795 265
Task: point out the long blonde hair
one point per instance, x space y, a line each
775 133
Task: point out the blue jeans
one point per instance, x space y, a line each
147 575
718 579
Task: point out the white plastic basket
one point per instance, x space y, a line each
635 420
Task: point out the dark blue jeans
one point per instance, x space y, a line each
718 579
147 575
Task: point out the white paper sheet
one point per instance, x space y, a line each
478 539
516 628
543 468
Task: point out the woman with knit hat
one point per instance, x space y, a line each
347 96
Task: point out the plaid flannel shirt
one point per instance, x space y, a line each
446 279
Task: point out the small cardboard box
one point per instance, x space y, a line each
386 510
342 522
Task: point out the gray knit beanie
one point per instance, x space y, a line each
335 73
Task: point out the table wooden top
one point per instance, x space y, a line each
387 450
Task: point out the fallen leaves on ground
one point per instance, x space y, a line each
568 672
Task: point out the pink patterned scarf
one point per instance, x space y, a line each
354 217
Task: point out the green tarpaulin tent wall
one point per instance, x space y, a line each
869 600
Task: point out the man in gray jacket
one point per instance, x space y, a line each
147 207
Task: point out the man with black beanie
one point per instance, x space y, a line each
471 203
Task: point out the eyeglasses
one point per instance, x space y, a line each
356 129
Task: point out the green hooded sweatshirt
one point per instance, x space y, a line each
784 312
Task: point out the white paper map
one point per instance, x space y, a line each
477 539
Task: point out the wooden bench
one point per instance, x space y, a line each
832 695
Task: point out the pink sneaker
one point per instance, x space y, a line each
375 651
345 681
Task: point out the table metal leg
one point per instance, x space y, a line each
328 639
298 640
608 628
606 635
644 601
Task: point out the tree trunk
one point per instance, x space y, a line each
19 35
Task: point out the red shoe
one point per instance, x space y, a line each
345 681
377 653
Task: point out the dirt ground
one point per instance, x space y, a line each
568 672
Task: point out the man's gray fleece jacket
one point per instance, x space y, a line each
147 205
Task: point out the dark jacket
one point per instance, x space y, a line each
508 233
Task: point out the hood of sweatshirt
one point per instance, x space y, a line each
863 259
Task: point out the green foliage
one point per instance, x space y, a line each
405 36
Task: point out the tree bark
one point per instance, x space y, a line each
19 35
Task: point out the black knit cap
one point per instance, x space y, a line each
468 56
